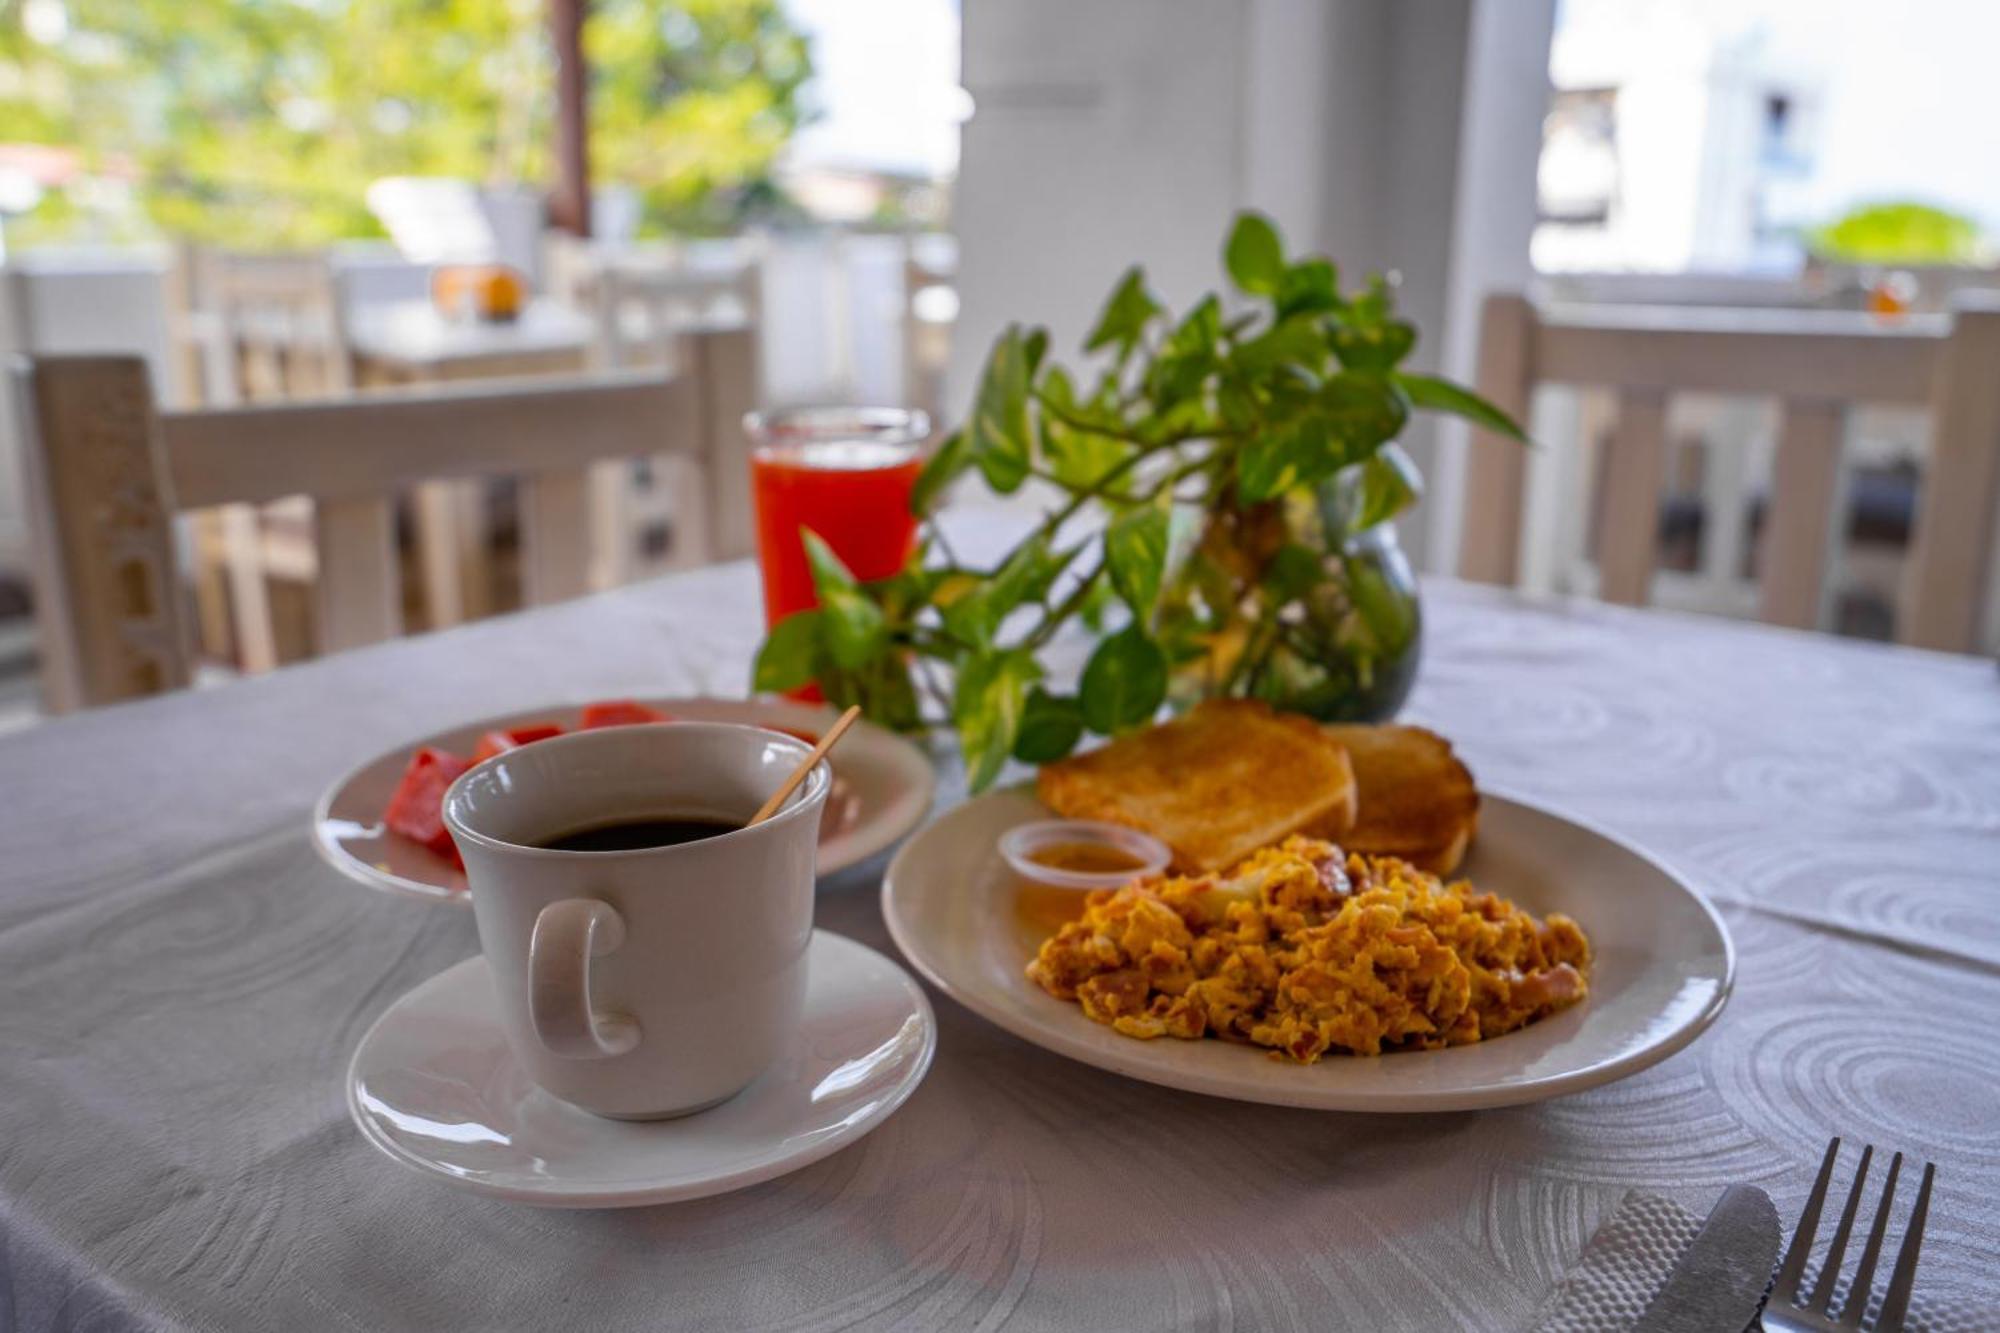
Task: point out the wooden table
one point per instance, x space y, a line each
403 342
182 983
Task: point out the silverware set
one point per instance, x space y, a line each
1719 1281
1791 1309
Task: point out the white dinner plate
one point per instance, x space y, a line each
882 789
1662 970
434 1085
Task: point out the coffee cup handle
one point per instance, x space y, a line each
567 935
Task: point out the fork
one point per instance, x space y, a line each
1788 1312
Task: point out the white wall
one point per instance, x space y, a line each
1388 135
1102 134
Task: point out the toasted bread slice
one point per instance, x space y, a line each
1418 802
1229 777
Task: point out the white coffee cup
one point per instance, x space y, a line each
649 983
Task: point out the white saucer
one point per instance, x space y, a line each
434 1086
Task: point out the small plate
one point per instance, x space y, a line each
1663 968
435 1086
882 789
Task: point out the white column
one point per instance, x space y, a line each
1506 97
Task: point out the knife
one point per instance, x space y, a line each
1720 1279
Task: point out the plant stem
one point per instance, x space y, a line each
1069 606
1255 647
927 674
944 543
1117 432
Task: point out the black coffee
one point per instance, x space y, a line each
631 835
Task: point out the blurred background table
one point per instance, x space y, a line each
405 342
182 982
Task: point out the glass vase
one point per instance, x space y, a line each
1288 600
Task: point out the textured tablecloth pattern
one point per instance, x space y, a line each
181 983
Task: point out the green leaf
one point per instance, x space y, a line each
1051 568
1051 725
1390 483
998 431
1081 459
1362 410
1293 572
1200 330
1124 682
1441 395
1095 603
1377 345
1309 287
911 588
1284 457
1376 302
1297 341
889 696
854 630
1254 255
943 468
1135 550
1234 405
1176 380
785 662
1033 348
1389 613
976 617
1185 420
1077 458
1125 316
986 709
829 573
1187 357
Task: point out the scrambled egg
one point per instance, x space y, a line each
1305 949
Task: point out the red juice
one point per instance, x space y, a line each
855 494
844 474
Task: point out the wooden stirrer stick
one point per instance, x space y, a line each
791 784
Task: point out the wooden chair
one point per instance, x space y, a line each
248 327
930 312
267 326
652 514
1818 365
106 472
641 306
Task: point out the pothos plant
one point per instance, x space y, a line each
1181 466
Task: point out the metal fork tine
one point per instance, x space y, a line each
1896 1304
1794 1267
1829 1272
1857 1294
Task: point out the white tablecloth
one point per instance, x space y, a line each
181 982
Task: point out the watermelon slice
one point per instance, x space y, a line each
416 810
513 738
619 713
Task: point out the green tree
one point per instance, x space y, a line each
1899 232
692 104
263 121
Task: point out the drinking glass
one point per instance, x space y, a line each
846 474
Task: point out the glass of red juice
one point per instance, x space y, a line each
846 474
